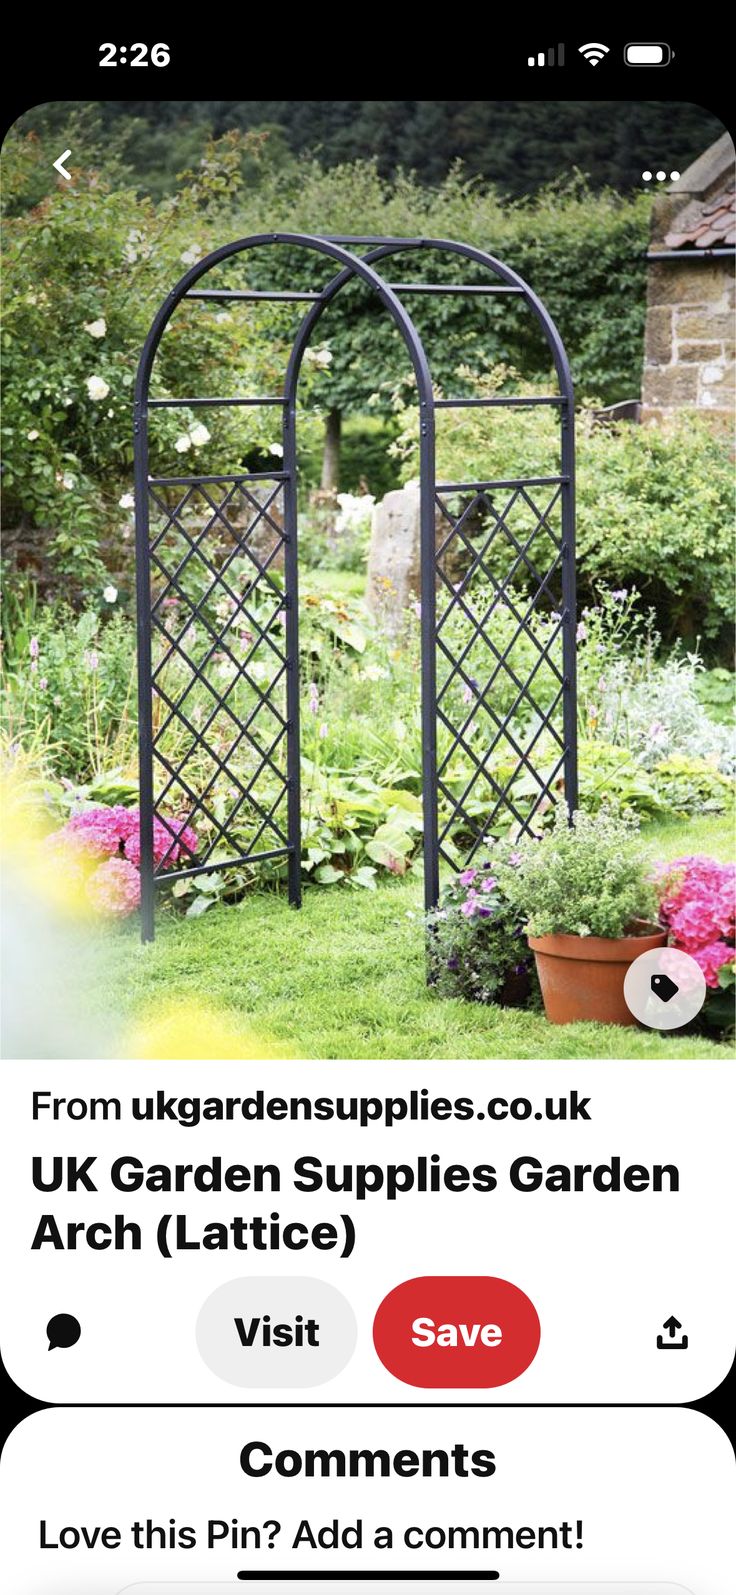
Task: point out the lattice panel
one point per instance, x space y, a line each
500 681
218 672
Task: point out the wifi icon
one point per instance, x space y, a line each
593 52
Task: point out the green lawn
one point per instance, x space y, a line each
344 977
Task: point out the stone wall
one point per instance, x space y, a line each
689 350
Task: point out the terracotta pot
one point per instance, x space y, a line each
582 977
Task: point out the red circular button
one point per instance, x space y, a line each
456 1332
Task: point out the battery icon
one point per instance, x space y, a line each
648 54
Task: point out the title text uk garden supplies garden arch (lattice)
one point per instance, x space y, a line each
172 545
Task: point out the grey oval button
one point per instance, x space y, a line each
287 1332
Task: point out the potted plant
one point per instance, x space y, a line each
476 943
590 908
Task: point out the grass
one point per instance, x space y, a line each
344 978
334 583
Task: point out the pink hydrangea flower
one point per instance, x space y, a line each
172 841
101 832
115 887
115 832
712 958
698 907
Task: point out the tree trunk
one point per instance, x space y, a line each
331 456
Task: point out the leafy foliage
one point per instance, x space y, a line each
475 942
654 504
518 144
588 878
84 273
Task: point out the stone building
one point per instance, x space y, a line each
689 350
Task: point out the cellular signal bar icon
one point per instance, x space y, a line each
550 57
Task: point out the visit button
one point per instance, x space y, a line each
452 1332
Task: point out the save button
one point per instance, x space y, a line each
456 1332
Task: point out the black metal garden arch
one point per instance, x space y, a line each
168 549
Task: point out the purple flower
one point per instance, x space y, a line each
43 683
620 595
313 697
484 911
581 632
469 907
467 877
488 884
323 731
33 648
515 858
453 963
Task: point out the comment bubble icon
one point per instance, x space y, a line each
276 1333
63 1331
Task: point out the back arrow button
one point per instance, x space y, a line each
59 165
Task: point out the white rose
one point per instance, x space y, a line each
127 502
96 329
277 449
199 435
97 388
183 443
189 256
319 357
32 435
110 594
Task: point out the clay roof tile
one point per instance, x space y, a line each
704 226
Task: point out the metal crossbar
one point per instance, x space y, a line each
200 404
218 609
454 288
250 294
514 401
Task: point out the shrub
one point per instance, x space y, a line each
588 878
334 532
85 271
72 680
692 786
716 690
102 846
654 504
475 942
697 906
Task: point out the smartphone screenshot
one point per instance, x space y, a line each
368 787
